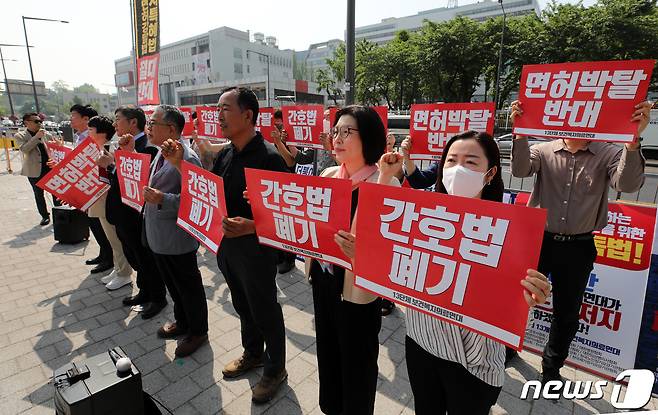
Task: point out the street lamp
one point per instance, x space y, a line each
11 106
29 58
350 54
500 57
4 72
267 95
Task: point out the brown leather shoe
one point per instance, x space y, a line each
241 365
267 387
190 344
170 331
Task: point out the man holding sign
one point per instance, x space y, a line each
572 184
174 249
248 267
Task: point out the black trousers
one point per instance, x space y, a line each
99 234
150 283
569 265
40 198
250 271
347 341
183 279
444 387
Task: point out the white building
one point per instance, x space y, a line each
193 71
316 57
103 103
385 31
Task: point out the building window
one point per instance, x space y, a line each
237 53
193 50
237 68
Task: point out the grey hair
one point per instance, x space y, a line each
171 114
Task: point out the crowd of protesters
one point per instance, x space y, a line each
451 369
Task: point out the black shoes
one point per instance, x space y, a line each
152 310
135 300
94 261
102 267
285 266
45 221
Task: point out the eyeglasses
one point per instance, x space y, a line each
151 123
342 132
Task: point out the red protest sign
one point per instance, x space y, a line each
57 152
208 124
189 122
627 240
300 214
202 205
133 174
303 123
432 125
453 258
75 180
583 100
382 111
265 123
147 80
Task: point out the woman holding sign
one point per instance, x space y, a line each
451 369
348 319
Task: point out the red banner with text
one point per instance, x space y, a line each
303 123
432 125
582 100
202 205
456 259
75 180
132 170
300 214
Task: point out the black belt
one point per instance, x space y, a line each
560 237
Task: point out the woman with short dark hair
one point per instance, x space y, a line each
348 319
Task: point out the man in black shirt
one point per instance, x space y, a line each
35 159
248 267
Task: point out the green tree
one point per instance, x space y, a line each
86 89
327 83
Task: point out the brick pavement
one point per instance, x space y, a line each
52 311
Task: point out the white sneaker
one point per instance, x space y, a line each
109 277
118 282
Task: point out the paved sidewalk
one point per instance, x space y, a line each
52 311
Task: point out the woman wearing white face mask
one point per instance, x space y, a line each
451 369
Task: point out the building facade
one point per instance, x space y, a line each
193 71
384 32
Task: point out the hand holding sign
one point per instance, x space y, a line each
152 195
537 288
237 226
346 242
172 151
642 114
105 159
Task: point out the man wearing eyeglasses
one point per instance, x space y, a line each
35 160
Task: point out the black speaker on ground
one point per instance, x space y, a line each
94 386
70 225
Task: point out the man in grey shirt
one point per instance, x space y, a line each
572 185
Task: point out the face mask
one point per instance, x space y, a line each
460 181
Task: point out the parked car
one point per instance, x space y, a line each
505 143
